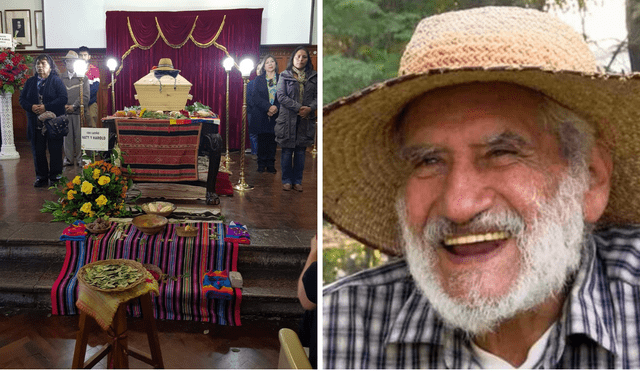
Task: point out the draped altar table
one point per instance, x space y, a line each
166 150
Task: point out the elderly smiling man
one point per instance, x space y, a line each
504 169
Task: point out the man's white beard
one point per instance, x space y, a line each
550 248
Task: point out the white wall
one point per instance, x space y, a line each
21 5
273 31
316 18
283 21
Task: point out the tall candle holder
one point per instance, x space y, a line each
246 66
228 65
112 64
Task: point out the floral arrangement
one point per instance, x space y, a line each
13 70
197 110
99 191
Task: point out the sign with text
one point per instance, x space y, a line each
96 139
6 41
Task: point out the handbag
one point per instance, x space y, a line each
57 127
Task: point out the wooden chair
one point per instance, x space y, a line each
292 354
118 351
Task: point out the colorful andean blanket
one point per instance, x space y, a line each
158 151
184 260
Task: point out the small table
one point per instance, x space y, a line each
210 145
118 351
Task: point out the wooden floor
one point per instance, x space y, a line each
35 339
265 206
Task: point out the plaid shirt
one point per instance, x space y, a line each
379 319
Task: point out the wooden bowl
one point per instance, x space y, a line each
132 263
98 230
158 206
156 269
183 232
150 223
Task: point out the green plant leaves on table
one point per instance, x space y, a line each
111 276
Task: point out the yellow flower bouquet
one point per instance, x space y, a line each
99 191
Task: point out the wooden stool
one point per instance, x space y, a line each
118 351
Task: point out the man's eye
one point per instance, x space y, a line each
428 161
428 167
498 152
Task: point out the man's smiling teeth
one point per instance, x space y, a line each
475 238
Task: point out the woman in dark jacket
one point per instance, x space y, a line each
265 112
253 136
295 125
44 92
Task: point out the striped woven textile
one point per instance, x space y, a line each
185 260
159 152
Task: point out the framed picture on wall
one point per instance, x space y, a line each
1 29
19 25
37 15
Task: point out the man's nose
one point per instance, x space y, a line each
467 192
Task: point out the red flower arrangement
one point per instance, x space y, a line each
14 70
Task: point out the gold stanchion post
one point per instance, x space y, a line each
314 152
81 103
246 66
80 68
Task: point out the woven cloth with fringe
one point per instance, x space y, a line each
159 152
184 260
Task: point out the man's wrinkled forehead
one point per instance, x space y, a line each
476 97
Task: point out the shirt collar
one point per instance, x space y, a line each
587 311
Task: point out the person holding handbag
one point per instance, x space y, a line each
265 112
43 92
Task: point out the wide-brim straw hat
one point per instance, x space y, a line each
165 64
362 172
71 55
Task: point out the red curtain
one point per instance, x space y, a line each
202 66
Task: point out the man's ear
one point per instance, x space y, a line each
596 197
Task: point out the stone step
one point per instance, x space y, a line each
31 257
28 285
269 248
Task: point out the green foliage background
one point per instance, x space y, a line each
343 256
